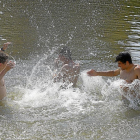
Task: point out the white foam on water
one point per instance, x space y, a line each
41 91
110 91
131 92
100 88
54 97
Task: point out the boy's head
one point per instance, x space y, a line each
123 57
65 52
3 57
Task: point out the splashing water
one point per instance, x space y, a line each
131 93
41 91
12 59
94 102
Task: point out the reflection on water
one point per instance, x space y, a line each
96 31
132 17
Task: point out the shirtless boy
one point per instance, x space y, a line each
127 71
69 70
5 66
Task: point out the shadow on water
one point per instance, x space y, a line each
5 111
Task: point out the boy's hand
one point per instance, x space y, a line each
10 65
92 73
5 45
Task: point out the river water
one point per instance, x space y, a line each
95 31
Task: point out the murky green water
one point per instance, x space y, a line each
96 31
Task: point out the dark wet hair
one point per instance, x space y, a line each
3 57
65 51
123 57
